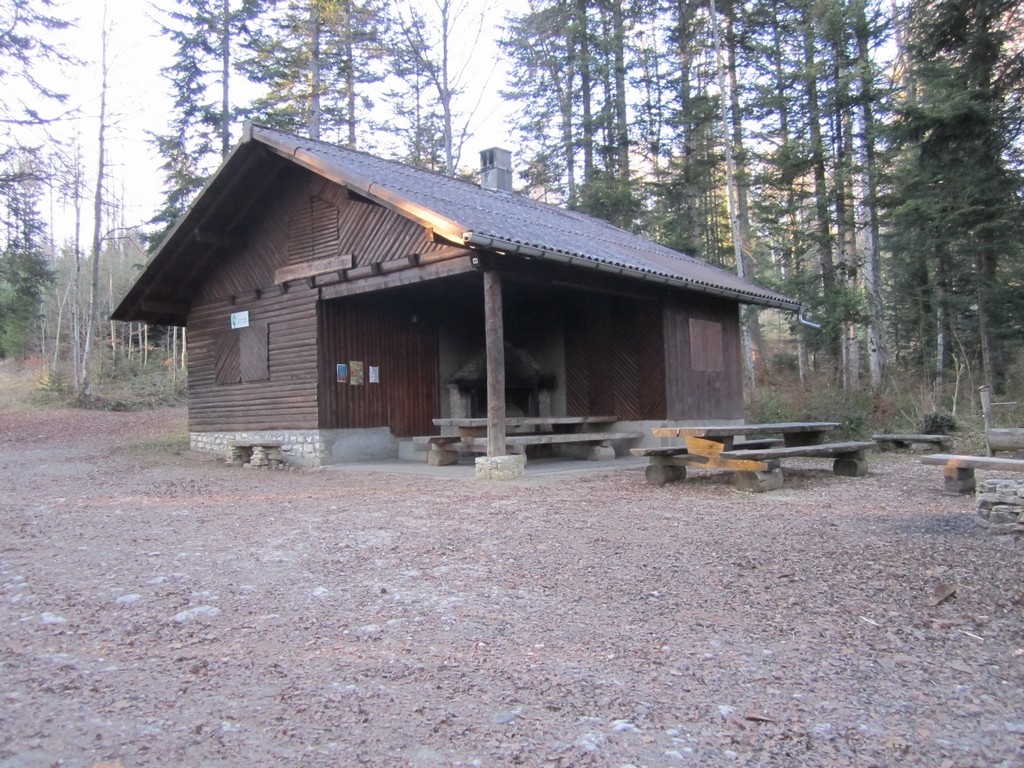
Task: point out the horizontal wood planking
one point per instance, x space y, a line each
285 236
288 399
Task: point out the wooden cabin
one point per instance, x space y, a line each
339 303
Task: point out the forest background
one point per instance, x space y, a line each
863 156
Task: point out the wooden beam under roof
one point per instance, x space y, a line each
313 268
435 271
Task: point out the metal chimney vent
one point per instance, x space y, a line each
496 169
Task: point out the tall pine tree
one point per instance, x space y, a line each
958 217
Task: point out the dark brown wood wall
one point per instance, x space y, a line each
280 235
704 362
614 359
287 400
379 333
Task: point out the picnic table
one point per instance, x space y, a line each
470 434
751 451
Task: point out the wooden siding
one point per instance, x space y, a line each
704 362
379 332
287 399
371 233
615 359
244 280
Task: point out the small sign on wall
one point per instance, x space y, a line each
356 376
342 373
375 374
240 319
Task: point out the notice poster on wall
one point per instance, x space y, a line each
342 373
375 374
355 374
240 319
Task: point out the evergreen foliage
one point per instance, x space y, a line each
24 273
956 207
878 148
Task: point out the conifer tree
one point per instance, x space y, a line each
24 268
958 214
198 136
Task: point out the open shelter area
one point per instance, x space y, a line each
163 608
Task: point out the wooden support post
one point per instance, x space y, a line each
494 330
986 414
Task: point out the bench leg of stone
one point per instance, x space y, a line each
850 466
758 482
600 453
659 473
957 480
440 457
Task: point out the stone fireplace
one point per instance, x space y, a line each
528 387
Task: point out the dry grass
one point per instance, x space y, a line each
19 383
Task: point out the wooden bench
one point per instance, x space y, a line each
256 453
755 462
849 456
958 471
446 449
907 441
599 442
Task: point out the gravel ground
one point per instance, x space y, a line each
164 609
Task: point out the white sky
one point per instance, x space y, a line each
139 102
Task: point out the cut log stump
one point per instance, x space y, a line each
758 482
660 474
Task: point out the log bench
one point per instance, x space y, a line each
256 453
886 442
958 471
849 459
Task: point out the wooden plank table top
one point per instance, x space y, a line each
734 430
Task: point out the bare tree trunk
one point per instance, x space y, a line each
92 320
878 353
847 268
621 111
225 100
350 73
817 149
313 118
586 87
751 319
737 233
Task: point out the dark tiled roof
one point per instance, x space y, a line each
463 211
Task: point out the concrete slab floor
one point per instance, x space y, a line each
465 470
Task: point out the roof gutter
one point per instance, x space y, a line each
474 239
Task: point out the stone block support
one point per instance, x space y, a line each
500 467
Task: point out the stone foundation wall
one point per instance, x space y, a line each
301 447
1001 506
